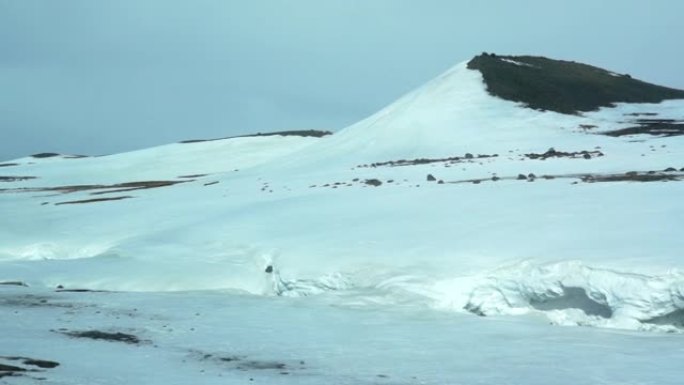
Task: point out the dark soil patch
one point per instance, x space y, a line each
552 153
11 371
62 290
144 185
45 155
13 283
104 336
419 161
16 178
32 301
373 182
94 200
243 363
655 127
43 364
261 365
107 189
563 86
302 133
29 365
11 368
632 176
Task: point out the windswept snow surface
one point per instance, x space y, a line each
530 214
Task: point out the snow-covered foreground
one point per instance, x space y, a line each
223 338
401 246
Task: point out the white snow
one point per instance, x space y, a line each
511 61
362 267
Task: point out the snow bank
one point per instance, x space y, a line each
571 293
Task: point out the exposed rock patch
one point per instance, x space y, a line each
563 86
45 155
94 200
419 161
302 133
16 178
104 336
655 127
553 153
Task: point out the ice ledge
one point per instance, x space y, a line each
571 293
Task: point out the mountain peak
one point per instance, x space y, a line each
562 86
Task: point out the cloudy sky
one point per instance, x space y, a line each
97 77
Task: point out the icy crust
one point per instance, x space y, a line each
567 293
571 293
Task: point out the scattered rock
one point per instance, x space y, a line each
431 178
522 177
373 182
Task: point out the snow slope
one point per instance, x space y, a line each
353 221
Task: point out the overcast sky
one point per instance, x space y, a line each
97 77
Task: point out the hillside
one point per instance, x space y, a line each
456 217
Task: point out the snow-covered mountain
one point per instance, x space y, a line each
470 196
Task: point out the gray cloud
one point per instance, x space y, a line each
83 76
